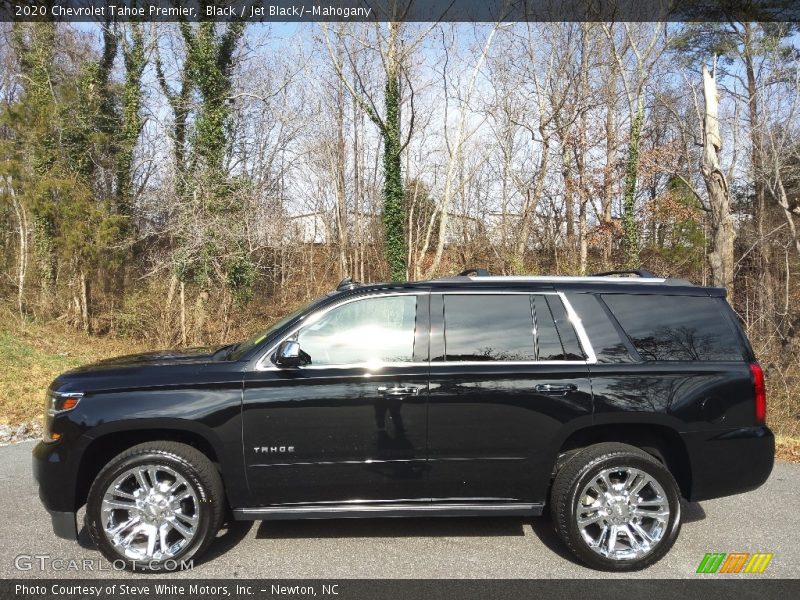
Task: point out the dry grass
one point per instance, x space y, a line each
787 448
32 354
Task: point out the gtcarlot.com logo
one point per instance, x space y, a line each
734 562
45 562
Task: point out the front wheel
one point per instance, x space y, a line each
616 507
155 506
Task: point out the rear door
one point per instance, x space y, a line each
507 372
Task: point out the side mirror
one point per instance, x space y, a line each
290 355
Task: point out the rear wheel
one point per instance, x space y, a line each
155 506
616 507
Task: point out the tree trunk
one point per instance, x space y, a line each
721 257
340 160
22 260
766 292
84 301
183 313
630 240
394 217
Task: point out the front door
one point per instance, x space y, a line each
351 426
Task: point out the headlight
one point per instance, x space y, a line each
55 404
58 402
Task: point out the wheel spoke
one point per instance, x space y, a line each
142 480
641 532
658 515
612 539
586 521
184 517
598 543
118 504
123 526
120 494
174 487
183 496
635 545
153 475
126 541
152 537
180 527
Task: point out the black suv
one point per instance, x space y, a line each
604 398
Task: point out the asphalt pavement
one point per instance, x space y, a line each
766 520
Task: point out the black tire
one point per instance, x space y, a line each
195 468
579 471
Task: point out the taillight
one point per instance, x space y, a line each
760 393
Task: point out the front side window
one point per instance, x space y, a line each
368 331
675 327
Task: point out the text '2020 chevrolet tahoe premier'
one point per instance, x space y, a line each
604 399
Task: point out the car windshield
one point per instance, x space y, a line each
240 349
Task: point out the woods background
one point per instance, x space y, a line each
186 184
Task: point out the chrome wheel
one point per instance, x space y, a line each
150 513
622 513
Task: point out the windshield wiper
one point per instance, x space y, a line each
225 352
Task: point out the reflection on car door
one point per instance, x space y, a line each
351 426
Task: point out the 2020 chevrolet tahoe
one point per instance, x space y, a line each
603 399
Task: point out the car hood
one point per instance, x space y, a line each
162 357
138 371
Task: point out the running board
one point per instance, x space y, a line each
348 511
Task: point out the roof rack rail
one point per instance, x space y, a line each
476 272
639 272
347 284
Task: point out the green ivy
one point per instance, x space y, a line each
394 211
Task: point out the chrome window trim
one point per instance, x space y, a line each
265 364
583 337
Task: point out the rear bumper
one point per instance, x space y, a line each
56 489
729 462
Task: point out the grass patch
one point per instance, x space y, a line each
33 354
787 448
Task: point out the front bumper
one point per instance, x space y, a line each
56 488
729 462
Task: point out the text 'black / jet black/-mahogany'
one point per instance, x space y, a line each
602 399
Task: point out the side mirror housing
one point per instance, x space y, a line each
290 355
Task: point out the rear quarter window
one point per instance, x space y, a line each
676 328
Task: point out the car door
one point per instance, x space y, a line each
350 426
507 373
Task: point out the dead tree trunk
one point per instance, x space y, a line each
721 256
22 259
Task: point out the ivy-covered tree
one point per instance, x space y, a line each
389 127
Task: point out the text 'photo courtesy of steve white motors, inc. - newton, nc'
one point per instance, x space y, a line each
172 590
248 11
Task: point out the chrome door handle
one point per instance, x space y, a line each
549 388
398 391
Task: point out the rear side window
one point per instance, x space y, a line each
555 334
508 327
488 327
671 328
608 343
